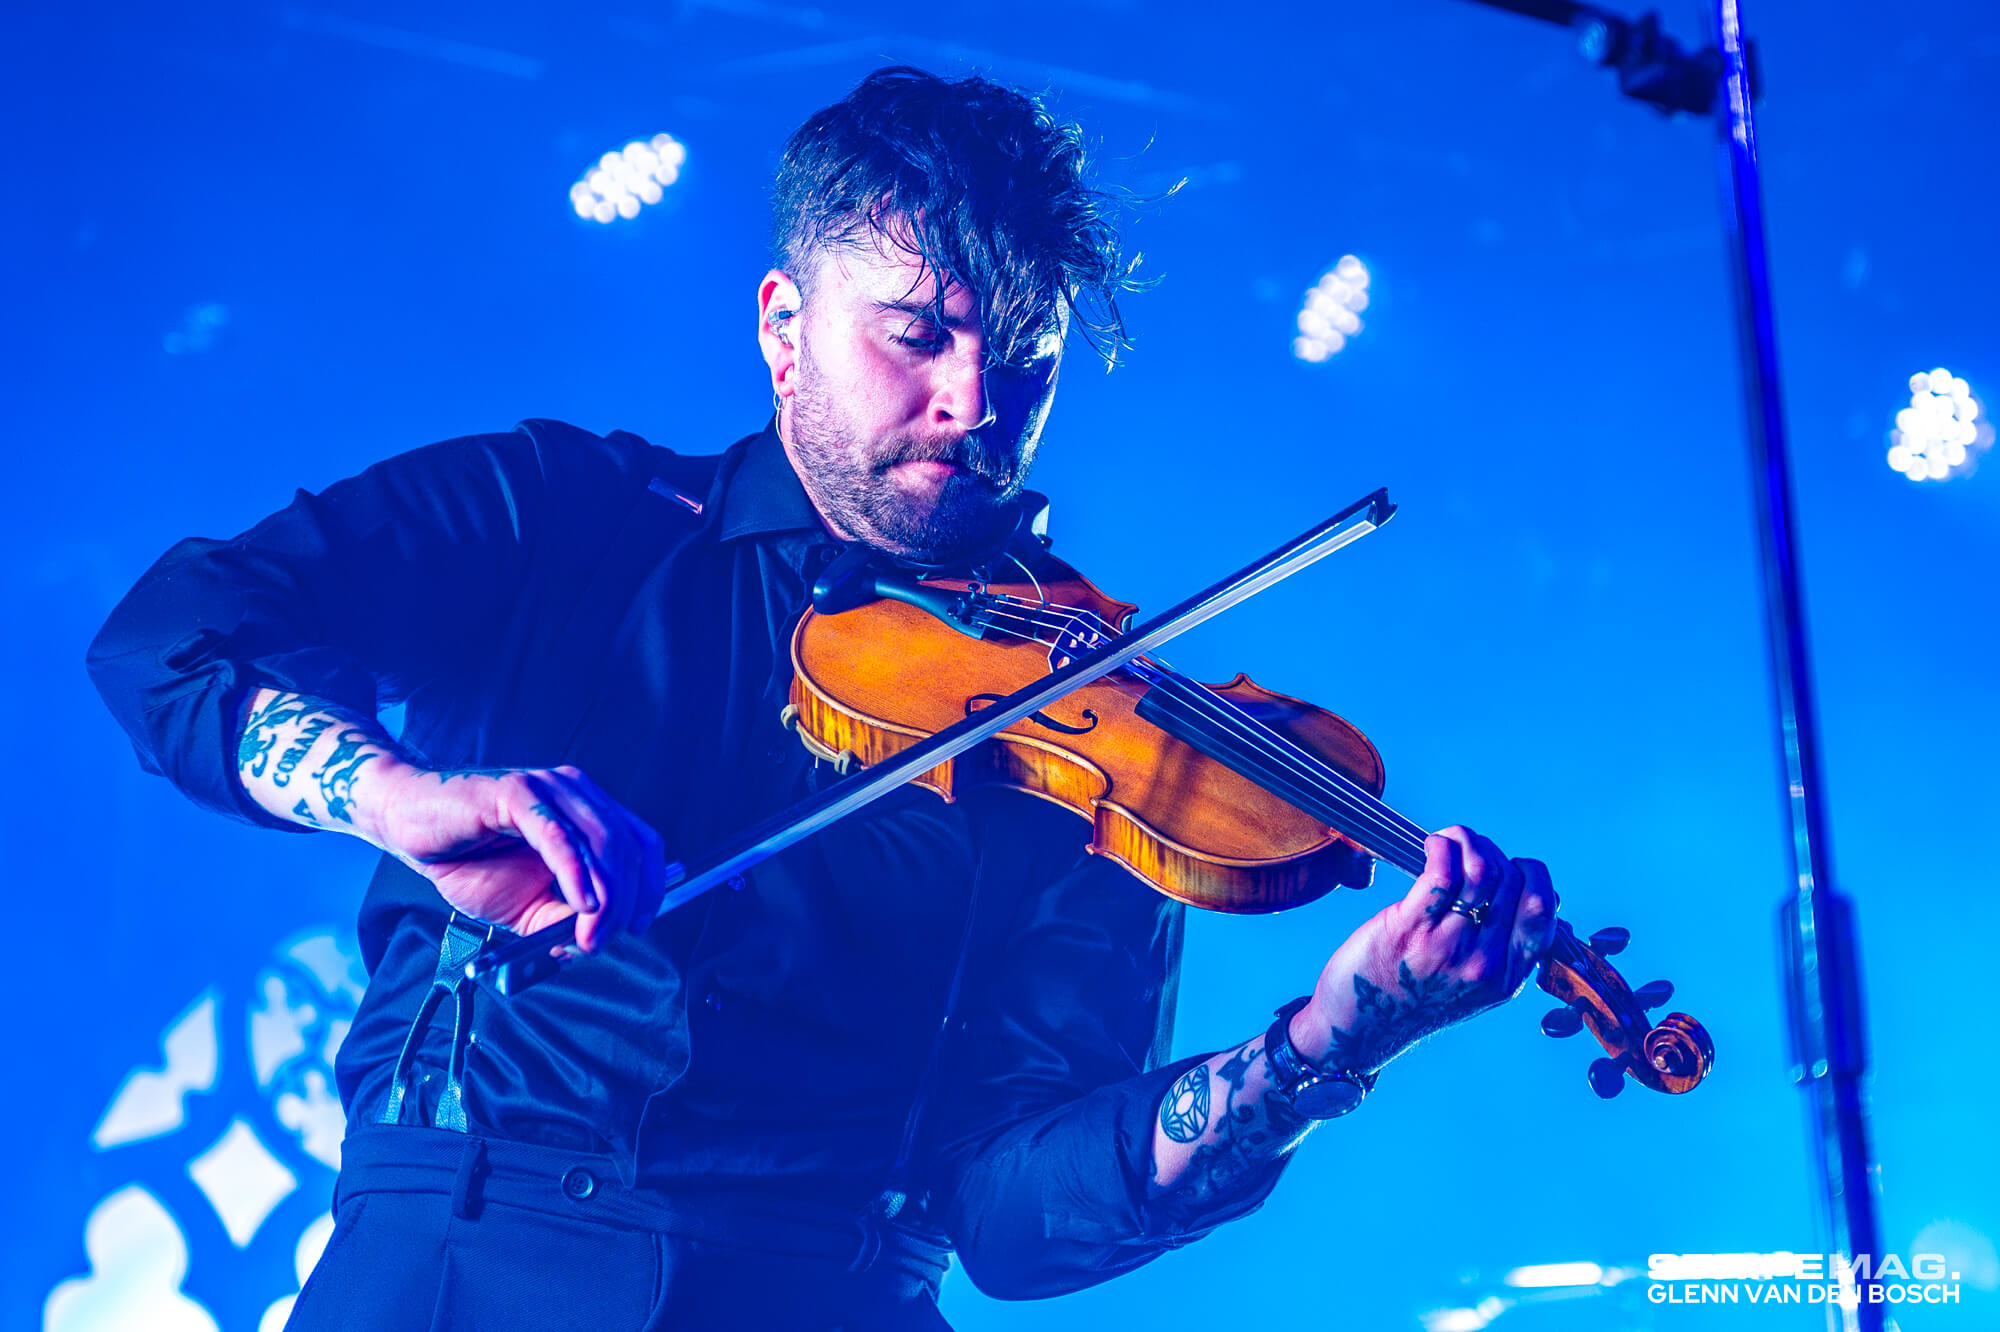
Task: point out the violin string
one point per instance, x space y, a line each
1375 820
1273 745
1340 791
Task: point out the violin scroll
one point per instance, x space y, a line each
1672 1055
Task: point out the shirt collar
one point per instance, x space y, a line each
764 494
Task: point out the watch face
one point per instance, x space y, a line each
1327 1098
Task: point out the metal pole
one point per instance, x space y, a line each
1829 1053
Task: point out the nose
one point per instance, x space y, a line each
959 398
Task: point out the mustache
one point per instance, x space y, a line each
976 454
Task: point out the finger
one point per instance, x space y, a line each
1492 879
1485 865
608 847
1443 875
543 914
1496 935
1479 868
622 841
554 855
540 817
1534 923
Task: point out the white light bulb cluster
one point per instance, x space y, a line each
1332 311
621 183
1939 435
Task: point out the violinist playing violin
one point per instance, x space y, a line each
753 1112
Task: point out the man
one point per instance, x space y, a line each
741 1115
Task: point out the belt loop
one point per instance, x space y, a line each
465 1199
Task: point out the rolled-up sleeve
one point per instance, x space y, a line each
1042 1137
358 595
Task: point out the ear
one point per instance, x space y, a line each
778 302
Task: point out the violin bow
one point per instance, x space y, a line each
522 961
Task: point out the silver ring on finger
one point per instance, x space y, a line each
1472 911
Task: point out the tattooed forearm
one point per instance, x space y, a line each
1386 1024
287 736
1199 1157
1184 1112
263 727
296 752
351 749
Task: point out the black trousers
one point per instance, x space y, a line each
437 1231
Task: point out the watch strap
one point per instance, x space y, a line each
1305 1086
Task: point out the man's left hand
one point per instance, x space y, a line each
1417 965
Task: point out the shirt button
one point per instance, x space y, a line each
713 999
579 1183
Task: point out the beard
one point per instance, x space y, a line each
848 477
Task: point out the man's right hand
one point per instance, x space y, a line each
521 848
518 847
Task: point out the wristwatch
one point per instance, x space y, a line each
1311 1092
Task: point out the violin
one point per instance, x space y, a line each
1228 797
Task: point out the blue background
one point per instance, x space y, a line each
1559 640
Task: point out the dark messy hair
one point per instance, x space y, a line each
977 181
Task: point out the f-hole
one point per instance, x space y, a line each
1038 718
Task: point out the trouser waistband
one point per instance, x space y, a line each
477 1171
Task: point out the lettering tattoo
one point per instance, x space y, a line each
1184 1112
336 777
304 811
295 753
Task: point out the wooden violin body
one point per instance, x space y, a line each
1189 825
1229 797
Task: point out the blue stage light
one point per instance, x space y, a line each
620 183
1332 310
1940 434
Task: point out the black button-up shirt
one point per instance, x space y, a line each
549 596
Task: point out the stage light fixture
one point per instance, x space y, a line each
620 183
1331 313
1942 432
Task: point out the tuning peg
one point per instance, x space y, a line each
1564 1021
1654 993
1607 1079
1608 942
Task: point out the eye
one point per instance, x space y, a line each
923 338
